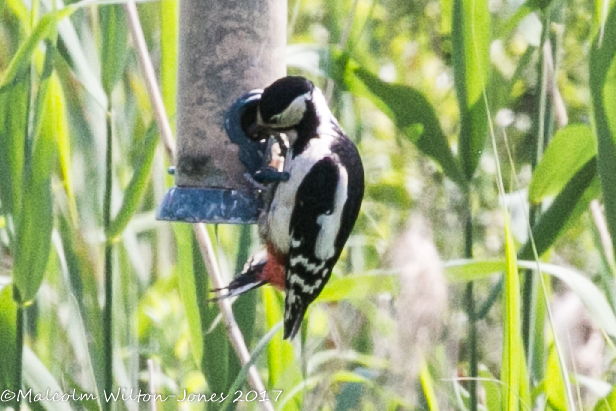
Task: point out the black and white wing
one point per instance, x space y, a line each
313 228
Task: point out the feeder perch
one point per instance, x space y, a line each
226 48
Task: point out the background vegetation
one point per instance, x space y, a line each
475 120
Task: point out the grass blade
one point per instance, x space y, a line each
359 287
186 282
608 402
493 389
554 383
216 346
603 93
427 383
169 53
33 236
114 41
284 372
8 319
58 125
137 186
512 372
254 356
80 61
592 297
570 149
21 60
470 55
40 379
13 117
35 222
552 221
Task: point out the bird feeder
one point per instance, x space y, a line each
226 48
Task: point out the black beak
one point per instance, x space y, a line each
256 132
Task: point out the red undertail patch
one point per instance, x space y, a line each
274 272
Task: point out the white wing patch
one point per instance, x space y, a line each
330 223
306 288
305 262
283 203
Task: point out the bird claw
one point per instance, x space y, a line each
270 175
254 182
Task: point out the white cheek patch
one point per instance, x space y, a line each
294 113
330 224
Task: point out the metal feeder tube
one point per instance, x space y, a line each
227 48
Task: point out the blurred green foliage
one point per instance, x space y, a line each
446 101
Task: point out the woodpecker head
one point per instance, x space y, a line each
284 103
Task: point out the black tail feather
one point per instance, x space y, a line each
294 315
249 279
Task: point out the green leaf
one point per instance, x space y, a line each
8 319
137 186
524 10
52 119
169 53
245 307
80 62
283 371
254 356
40 379
359 287
555 388
569 150
56 123
22 58
583 205
608 402
216 346
186 285
593 298
406 107
321 358
446 16
552 221
114 40
513 371
427 383
209 342
492 387
310 383
33 240
470 55
471 270
83 284
13 117
603 96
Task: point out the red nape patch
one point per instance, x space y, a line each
274 271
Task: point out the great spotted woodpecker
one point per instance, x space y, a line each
314 204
